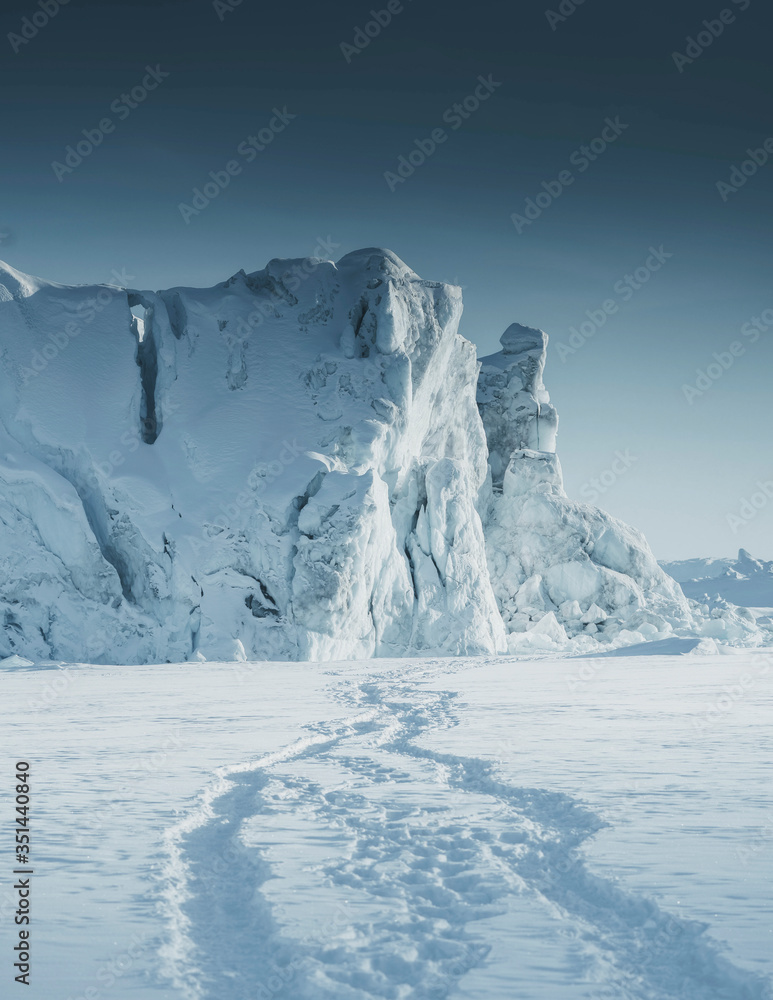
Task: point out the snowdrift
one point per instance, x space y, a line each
298 463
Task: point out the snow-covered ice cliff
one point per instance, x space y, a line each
292 465
561 570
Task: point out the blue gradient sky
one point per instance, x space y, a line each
695 463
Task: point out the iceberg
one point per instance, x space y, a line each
303 462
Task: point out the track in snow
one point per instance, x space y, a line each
357 864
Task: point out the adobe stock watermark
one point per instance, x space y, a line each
86 312
279 976
122 107
697 44
441 986
130 441
50 691
155 760
582 158
723 361
248 149
624 290
32 25
595 488
750 506
379 19
262 475
118 966
739 175
293 278
565 10
763 841
588 672
224 7
455 116
663 938
730 695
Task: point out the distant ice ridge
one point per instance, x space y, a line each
292 465
714 583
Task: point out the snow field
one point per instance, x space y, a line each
423 828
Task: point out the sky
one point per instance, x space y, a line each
664 395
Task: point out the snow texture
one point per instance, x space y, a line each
292 465
404 829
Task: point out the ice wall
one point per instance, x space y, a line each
514 404
562 570
293 464
286 465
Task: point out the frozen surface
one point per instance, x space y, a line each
480 828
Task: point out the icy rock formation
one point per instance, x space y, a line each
563 570
286 465
292 465
514 405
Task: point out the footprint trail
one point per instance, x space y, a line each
359 863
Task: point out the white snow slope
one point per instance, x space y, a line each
292 465
481 828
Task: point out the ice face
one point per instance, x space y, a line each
293 464
290 461
517 339
514 405
560 565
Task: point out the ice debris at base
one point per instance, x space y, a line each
293 465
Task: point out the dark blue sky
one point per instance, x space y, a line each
690 464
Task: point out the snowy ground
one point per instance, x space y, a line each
485 829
